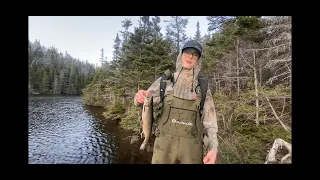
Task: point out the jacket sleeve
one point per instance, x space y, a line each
210 122
154 91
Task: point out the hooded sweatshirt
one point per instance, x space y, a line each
186 80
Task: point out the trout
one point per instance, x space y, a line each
147 120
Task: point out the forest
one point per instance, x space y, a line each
51 72
246 61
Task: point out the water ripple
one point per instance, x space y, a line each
62 131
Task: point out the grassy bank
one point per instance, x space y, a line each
241 141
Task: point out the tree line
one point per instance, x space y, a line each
51 72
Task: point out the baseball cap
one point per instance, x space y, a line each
193 44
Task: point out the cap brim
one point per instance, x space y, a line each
193 48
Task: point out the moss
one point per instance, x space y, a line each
132 120
115 112
92 95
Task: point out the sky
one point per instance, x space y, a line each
83 37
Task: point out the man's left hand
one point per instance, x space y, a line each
210 157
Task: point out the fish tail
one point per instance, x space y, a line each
143 146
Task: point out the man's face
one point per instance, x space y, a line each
190 57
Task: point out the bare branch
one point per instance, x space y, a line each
226 77
273 78
269 48
284 104
274 113
274 61
288 67
283 37
274 20
245 60
285 158
285 78
283 67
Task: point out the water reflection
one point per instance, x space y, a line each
64 131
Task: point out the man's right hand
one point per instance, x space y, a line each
140 96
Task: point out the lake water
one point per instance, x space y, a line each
64 131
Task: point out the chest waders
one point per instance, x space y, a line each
180 132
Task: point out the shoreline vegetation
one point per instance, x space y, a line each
247 62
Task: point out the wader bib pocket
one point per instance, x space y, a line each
181 122
181 118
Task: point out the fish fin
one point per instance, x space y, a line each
143 146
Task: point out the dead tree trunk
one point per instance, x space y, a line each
256 88
271 157
238 81
260 75
255 84
218 82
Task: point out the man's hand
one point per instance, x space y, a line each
210 157
140 96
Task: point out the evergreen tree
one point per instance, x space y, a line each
198 33
44 86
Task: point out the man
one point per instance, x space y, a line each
180 127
